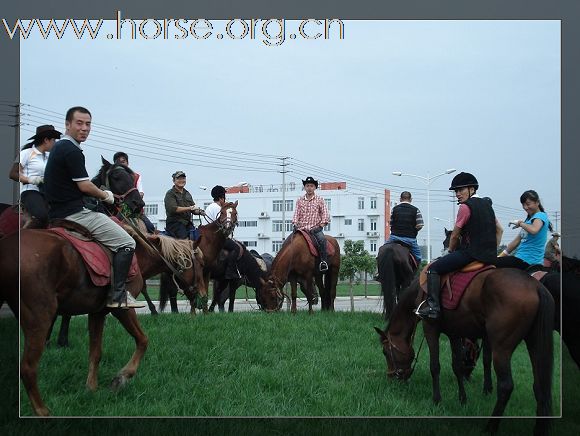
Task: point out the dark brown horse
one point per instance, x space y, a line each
395 272
295 264
505 306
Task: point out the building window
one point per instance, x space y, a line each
361 225
277 225
326 228
361 202
289 226
151 209
373 202
348 222
250 243
289 205
328 202
248 223
373 224
373 246
276 245
276 205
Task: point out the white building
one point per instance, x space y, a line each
354 214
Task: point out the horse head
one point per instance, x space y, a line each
228 217
120 180
399 356
447 238
272 295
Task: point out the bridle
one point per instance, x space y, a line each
119 198
390 349
280 294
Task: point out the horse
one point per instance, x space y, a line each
395 272
505 306
294 263
253 270
55 280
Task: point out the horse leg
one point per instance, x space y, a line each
293 286
173 297
34 339
432 334
128 319
63 332
457 364
505 386
49 334
233 289
148 299
487 384
96 326
324 303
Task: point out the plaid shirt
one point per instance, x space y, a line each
310 213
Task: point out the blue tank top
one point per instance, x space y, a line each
531 248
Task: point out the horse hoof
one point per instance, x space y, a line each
42 411
118 382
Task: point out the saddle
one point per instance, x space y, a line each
454 284
96 257
313 246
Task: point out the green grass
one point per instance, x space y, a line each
342 290
246 364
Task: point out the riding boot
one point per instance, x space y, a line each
118 297
323 267
430 307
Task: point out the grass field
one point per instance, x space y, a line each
342 290
251 364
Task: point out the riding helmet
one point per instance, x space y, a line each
463 180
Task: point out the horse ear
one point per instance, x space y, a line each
236 203
445 230
105 161
381 334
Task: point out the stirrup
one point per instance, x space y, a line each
429 313
323 266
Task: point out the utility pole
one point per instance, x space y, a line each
556 219
283 196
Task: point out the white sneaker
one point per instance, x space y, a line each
129 303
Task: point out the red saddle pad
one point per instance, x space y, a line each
458 281
312 245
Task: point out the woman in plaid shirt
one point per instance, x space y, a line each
312 215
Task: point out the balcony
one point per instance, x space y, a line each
264 215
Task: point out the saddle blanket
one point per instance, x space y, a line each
312 245
95 258
453 285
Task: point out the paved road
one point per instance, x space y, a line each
341 304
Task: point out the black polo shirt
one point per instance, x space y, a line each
65 167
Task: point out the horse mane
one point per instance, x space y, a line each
177 251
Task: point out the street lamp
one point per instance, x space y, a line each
448 221
428 180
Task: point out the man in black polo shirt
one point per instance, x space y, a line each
179 206
406 221
66 181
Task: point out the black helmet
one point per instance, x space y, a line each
463 180
218 192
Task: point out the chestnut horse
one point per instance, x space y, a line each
505 306
295 264
395 272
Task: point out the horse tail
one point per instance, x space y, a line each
540 342
386 268
163 290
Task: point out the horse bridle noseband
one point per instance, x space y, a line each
398 372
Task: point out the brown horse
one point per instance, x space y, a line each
295 264
505 306
395 272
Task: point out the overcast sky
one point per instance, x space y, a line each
411 96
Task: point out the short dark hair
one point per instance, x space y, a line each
70 113
405 195
119 155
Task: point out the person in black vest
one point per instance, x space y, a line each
406 221
480 231
66 181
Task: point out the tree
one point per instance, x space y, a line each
354 260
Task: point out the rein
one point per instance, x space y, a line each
397 372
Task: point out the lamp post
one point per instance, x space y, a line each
428 180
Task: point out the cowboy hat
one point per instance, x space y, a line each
310 179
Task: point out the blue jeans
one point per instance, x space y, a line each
415 250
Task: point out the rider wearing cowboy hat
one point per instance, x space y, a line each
312 215
481 232
218 193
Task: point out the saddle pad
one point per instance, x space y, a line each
96 260
10 221
312 246
458 283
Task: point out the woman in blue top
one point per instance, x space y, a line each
531 240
